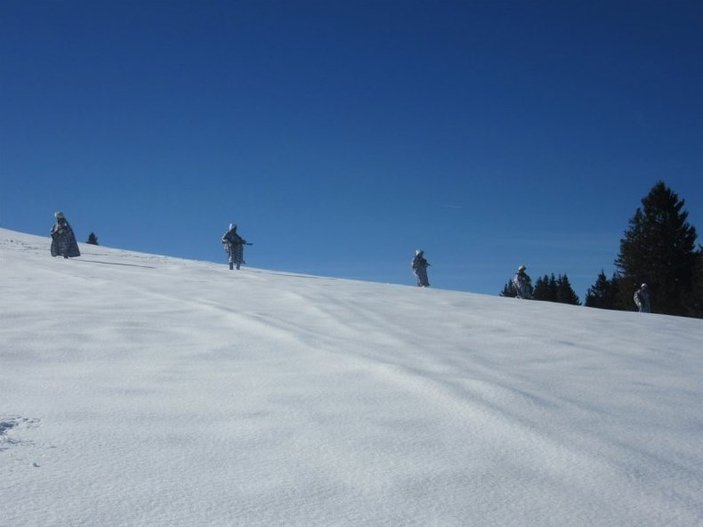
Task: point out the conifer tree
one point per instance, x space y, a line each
603 294
550 288
659 249
540 292
509 290
92 239
546 288
695 303
566 293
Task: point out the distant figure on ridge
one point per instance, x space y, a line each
63 241
234 246
642 299
420 265
522 283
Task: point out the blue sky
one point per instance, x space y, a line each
341 136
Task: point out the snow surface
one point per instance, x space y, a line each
142 390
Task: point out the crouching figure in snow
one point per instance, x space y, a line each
63 241
234 246
522 283
420 265
642 299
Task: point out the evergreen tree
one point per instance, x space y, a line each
546 289
509 290
566 293
695 302
92 239
555 289
540 291
659 249
603 294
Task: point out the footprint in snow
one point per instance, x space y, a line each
11 423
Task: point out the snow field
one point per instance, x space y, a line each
144 390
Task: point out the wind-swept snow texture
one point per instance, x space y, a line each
141 390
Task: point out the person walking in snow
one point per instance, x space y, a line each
234 246
522 283
63 241
419 266
642 299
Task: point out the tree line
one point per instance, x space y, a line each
658 248
549 288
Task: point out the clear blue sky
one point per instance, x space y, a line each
343 135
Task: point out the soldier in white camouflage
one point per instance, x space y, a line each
419 266
234 246
642 299
63 241
522 283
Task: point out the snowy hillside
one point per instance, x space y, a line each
141 390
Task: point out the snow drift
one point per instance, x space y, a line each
144 390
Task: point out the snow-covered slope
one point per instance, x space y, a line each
141 390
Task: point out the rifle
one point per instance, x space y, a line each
227 242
